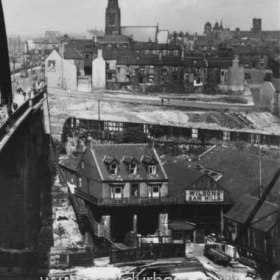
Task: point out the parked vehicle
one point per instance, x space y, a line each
216 255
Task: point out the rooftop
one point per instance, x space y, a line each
119 153
183 175
264 220
240 168
71 162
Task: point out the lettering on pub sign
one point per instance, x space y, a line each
205 195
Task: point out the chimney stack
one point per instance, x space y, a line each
99 53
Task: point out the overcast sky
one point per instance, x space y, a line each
37 16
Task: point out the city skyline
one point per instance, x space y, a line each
36 17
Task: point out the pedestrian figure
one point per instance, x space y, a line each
162 101
24 95
168 100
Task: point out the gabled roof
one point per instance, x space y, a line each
183 175
71 163
240 168
118 152
264 220
72 53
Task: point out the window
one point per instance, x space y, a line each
146 128
226 136
113 126
152 169
155 192
80 182
133 168
164 72
194 133
113 168
247 76
134 190
117 192
82 164
51 65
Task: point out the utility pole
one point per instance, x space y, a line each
99 134
260 171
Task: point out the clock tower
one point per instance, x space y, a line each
113 18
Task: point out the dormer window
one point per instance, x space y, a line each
113 168
131 164
152 169
112 165
133 168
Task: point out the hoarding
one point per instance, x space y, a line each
205 195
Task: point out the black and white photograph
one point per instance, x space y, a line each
139 140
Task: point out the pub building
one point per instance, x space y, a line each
129 191
199 201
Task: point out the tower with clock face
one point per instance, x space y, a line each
113 18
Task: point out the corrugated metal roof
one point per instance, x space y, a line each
240 169
264 220
180 226
183 175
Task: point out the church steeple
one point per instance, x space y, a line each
113 18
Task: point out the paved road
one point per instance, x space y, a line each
155 100
26 83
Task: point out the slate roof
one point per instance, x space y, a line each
81 45
265 219
163 60
240 170
116 39
220 62
72 53
71 163
154 46
183 175
46 41
131 57
266 35
119 152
